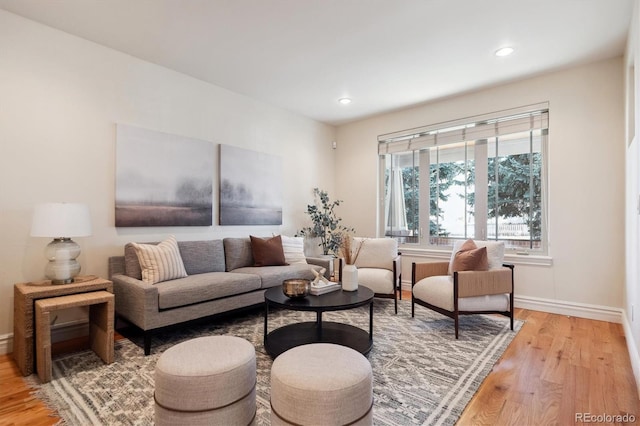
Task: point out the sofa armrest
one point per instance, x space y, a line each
483 283
135 299
428 269
325 262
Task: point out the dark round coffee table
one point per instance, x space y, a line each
292 335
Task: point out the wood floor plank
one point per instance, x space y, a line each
555 367
565 365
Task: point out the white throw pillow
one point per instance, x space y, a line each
495 253
293 250
160 262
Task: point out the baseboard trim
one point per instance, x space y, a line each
573 309
632 348
6 343
59 333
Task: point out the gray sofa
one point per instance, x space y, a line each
221 278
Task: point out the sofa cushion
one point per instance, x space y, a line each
203 287
267 251
293 248
274 275
202 256
160 262
197 256
237 253
131 263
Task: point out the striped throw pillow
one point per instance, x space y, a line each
160 262
293 249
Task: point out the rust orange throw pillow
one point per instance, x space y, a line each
267 252
470 258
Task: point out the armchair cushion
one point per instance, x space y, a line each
379 280
495 253
470 258
438 291
375 252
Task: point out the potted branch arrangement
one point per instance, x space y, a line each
349 276
326 224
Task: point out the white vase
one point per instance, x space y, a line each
349 278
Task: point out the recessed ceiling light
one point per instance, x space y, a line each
344 101
504 51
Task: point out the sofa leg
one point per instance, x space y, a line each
147 342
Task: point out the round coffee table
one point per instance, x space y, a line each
302 333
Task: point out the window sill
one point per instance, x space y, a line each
516 259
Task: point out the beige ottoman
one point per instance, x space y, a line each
321 384
205 381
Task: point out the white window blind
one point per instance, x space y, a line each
535 117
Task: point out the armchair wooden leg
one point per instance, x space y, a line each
395 301
413 306
456 320
511 303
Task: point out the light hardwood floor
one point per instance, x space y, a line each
556 366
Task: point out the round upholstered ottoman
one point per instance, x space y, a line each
208 380
321 384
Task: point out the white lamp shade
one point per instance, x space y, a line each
61 220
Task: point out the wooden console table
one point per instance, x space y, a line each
24 298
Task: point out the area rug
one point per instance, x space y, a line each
422 374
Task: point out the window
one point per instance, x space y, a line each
481 178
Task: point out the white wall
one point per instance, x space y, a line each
631 320
60 100
586 171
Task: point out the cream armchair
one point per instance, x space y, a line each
453 293
379 266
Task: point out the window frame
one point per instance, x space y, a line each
465 130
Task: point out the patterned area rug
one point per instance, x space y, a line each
422 374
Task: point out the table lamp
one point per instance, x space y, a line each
61 221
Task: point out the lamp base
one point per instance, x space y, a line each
67 281
62 266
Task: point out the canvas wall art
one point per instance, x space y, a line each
250 187
162 179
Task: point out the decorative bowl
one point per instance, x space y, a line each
296 287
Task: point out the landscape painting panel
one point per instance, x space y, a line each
162 179
250 187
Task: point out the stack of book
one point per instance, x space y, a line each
322 288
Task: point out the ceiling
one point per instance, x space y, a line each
303 55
